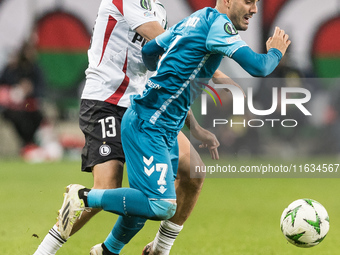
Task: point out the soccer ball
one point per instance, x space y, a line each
305 223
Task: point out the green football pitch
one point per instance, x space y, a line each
232 216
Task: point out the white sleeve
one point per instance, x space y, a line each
138 12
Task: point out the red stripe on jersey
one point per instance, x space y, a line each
119 5
114 99
111 23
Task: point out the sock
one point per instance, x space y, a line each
125 229
122 201
83 193
106 251
51 243
165 237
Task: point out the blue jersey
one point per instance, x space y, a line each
194 48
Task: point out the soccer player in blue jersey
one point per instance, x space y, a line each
191 49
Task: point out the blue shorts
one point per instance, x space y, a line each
151 155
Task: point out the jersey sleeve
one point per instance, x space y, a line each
258 65
223 37
150 53
161 14
164 39
137 13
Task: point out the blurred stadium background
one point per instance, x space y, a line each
64 31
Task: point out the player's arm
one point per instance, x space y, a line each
221 78
258 65
222 41
150 30
155 48
207 138
143 21
261 65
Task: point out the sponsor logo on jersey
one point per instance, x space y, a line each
145 4
148 14
138 38
104 150
236 38
230 29
153 85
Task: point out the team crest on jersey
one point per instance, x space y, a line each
146 4
104 150
230 29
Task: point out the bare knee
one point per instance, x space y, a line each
189 160
194 184
186 175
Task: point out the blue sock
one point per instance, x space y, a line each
122 201
124 230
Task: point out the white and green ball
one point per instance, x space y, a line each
305 223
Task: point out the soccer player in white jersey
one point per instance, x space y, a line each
115 72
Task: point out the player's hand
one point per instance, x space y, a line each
209 141
207 138
279 40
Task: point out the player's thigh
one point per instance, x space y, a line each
102 153
148 158
108 175
188 158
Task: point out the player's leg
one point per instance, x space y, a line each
151 168
102 153
107 170
187 190
107 175
123 201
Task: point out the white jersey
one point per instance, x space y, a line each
116 68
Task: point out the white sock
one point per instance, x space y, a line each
51 243
165 237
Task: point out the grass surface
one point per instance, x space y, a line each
233 216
